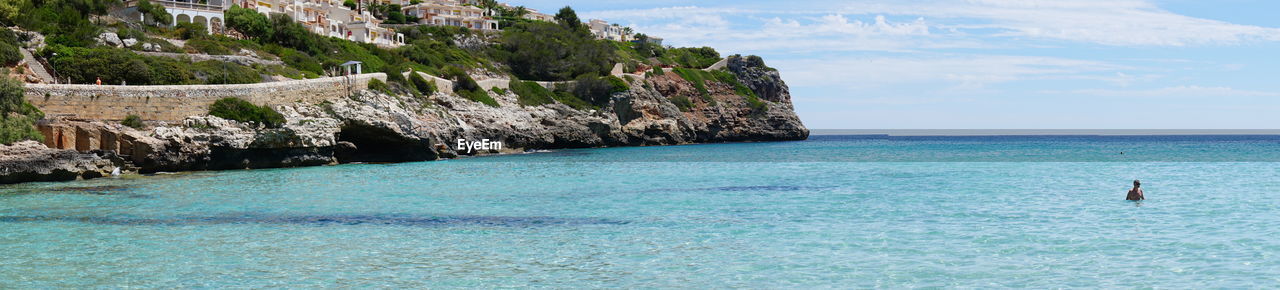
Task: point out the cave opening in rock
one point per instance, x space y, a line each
362 142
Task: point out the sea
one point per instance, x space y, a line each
834 211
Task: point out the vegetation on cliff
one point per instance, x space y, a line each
132 121
563 50
531 94
17 117
243 111
9 54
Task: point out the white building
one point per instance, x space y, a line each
603 30
330 18
451 13
208 14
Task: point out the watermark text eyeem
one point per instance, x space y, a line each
482 145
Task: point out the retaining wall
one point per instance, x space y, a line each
175 103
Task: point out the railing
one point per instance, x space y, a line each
180 5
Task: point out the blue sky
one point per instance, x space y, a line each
992 64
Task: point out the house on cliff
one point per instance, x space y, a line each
323 17
451 13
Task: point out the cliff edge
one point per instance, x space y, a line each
743 101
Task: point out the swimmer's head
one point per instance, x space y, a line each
1137 183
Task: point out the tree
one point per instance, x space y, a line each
155 12
17 117
9 54
9 11
568 18
248 22
519 12
546 51
286 32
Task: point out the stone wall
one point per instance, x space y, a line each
442 85
489 84
175 103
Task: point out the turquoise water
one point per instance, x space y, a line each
829 212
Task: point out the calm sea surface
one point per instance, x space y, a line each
834 211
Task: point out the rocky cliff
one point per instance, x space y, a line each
372 126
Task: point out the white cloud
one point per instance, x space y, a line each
1105 22
1108 22
961 71
1176 91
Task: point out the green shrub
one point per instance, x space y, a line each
155 13
461 81
692 57
395 73
379 86
465 86
698 78
243 111
14 128
617 85
499 91
218 72
17 117
531 94
208 46
756 61
132 121
552 52
9 54
682 102
479 96
425 87
248 22
566 97
756 105
192 30
593 89
114 66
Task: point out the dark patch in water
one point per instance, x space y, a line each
91 190
742 188
760 188
330 220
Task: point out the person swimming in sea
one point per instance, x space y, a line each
1136 192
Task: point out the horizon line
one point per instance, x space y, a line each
1041 132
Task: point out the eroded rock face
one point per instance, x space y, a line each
762 79
376 127
28 161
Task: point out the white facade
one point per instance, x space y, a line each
451 13
604 30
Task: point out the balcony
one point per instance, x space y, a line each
181 5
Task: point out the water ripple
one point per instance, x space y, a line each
328 220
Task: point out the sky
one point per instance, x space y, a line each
991 64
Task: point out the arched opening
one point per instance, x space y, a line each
183 18
200 19
216 25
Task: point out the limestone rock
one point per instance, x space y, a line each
369 126
129 42
29 161
109 38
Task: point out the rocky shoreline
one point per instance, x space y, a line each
374 126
